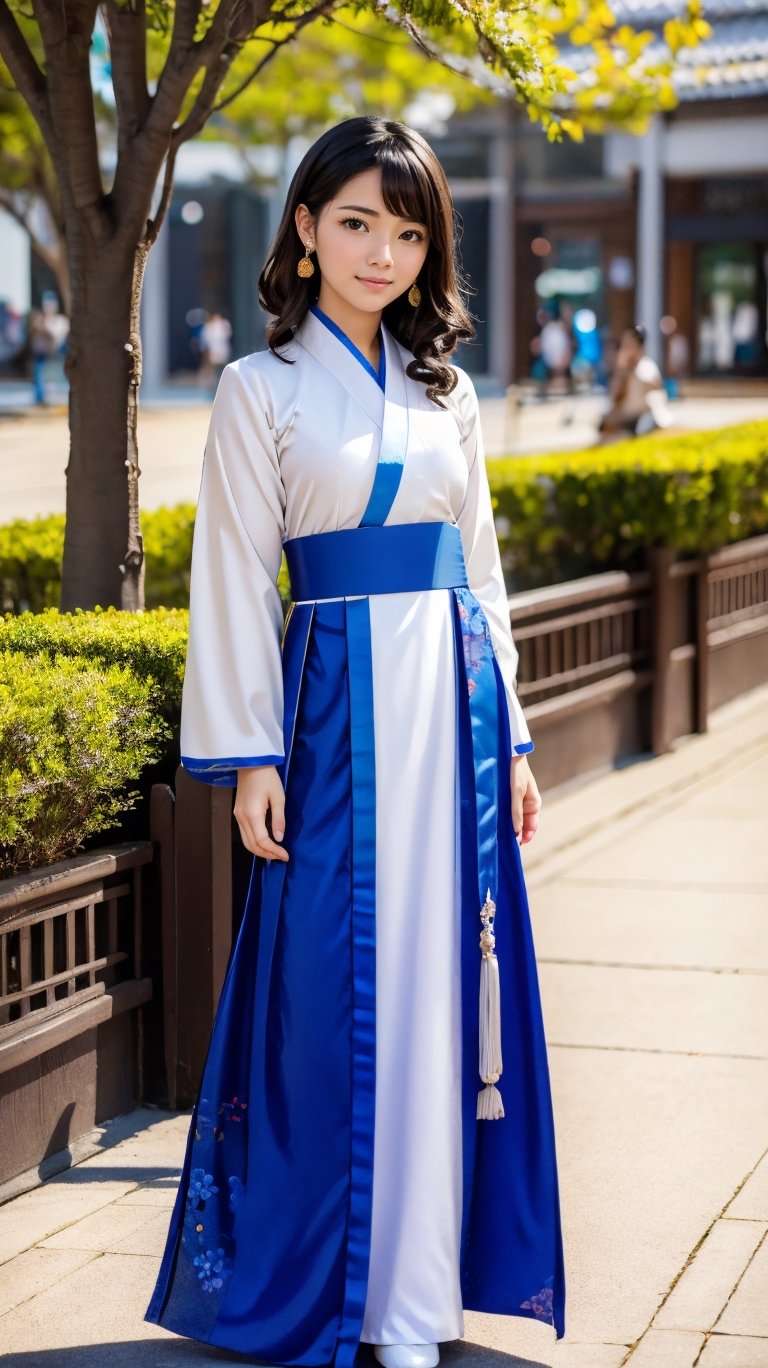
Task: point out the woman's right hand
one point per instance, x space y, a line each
259 791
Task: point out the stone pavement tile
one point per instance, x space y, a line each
102 1303
152 1142
697 1299
588 1355
656 1009
34 1271
153 1151
650 1149
751 1203
747 1311
734 1351
143 1353
149 1195
22 1225
674 849
529 1341
684 927
180 1353
65 1167
623 795
149 1238
82 1191
667 1349
100 1231
736 796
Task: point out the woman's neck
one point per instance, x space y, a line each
361 328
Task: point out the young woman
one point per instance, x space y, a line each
349 1177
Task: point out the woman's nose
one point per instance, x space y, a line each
380 252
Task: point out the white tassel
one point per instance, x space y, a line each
489 1104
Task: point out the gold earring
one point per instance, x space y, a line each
306 266
414 296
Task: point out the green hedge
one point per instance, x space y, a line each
31 553
73 736
151 644
558 516
570 514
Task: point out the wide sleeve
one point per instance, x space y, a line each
232 702
483 562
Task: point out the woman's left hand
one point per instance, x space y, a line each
526 800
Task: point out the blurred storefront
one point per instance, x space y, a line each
717 252
669 229
563 244
574 247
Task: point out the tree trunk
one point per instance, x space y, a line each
98 369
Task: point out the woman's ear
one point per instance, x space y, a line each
305 224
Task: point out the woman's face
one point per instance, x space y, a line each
367 256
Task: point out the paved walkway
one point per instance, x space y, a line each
34 446
650 890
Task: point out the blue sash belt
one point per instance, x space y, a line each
404 557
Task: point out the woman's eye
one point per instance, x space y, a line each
355 224
412 235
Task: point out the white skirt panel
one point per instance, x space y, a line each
414 1291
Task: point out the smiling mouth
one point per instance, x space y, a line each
373 280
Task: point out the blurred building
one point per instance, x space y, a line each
669 229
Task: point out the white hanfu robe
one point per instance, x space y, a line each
292 452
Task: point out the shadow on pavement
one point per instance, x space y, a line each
464 1354
165 1176
174 1353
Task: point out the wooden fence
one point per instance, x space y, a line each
620 664
610 666
72 988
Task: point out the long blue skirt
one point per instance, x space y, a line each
268 1246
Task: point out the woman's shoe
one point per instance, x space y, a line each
407 1355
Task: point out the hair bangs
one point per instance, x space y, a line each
405 185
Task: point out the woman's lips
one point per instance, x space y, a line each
373 283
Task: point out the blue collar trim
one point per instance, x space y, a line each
380 375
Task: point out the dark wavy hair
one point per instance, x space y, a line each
413 186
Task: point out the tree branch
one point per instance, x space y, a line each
126 30
45 253
218 49
325 7
26 74
66 28
233 20
181 63
473 69
218 61
8 202
186 57
185 17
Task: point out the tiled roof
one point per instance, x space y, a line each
733 61
647 13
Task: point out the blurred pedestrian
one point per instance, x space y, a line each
588 349
556 346
12 336
637 394
678 362
48 333
216 348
